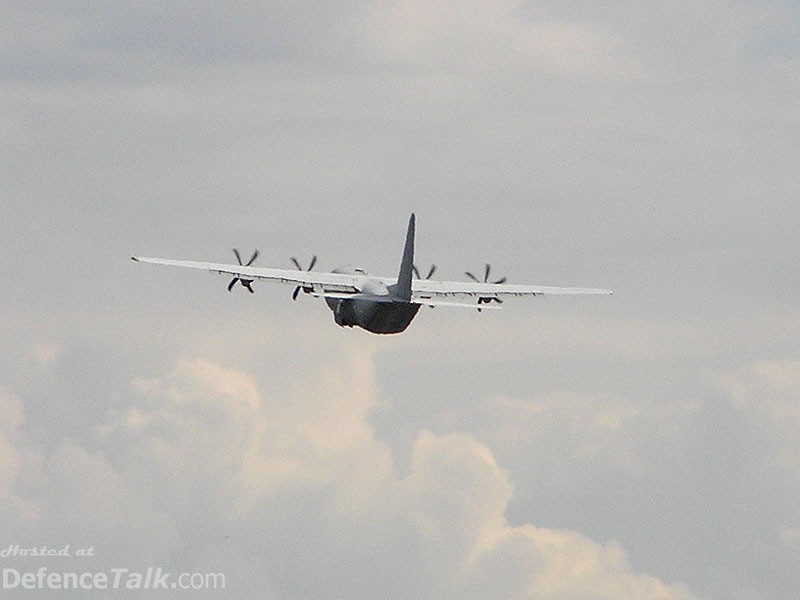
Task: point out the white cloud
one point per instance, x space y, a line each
577 567
253 445
458 498
455 491
203 448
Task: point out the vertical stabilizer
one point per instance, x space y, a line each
402 289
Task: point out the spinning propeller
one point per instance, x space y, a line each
299 268
431 271
245 282
486 299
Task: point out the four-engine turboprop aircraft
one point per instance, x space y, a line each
377 304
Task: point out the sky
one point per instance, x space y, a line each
644 445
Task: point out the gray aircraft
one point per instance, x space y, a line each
377 304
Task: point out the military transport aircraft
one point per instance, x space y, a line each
377 304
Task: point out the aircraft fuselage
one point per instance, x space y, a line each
376 317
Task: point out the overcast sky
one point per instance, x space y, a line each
639 446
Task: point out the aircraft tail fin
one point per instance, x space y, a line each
402 289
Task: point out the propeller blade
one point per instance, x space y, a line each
310 265
245 282
486 272
431 271
296 263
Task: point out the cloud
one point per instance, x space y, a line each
562 564
488 37
90 501
578 433
767 391
202 447
142 40
455 490
250 445
672 450
459 497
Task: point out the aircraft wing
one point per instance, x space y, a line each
318 281
340 285
425 291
